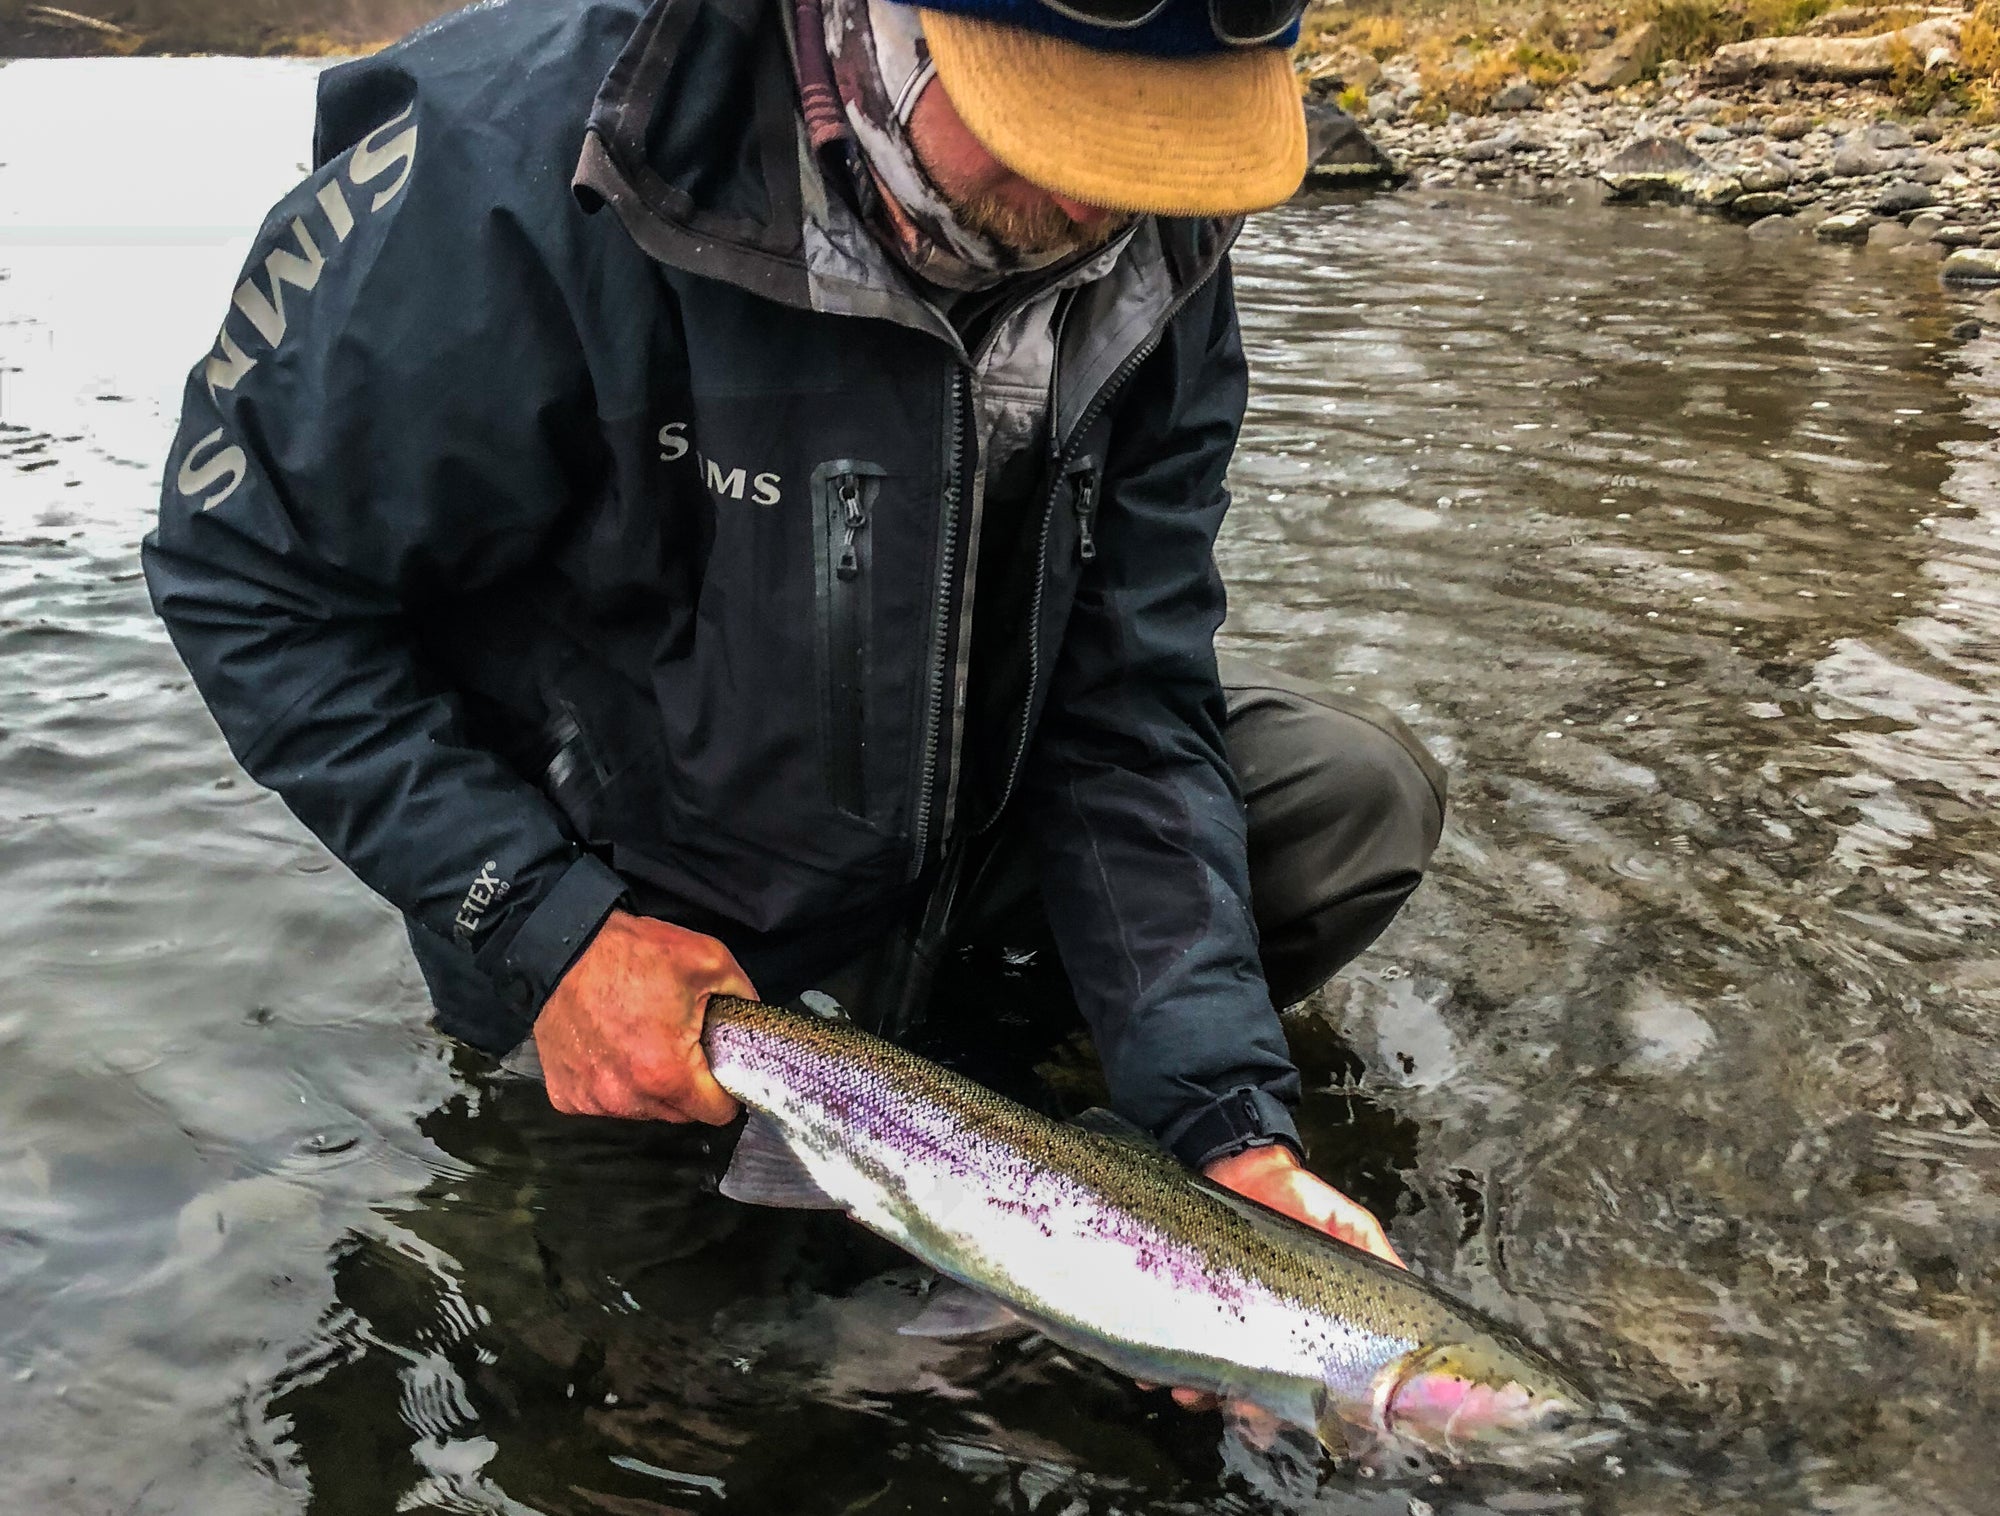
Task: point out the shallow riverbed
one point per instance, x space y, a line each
1684 553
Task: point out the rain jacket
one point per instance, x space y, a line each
577 509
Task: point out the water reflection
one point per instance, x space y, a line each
1679 547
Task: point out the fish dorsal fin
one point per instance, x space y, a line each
956 1311
766 1171
1114 1126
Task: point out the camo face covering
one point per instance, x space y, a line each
881 67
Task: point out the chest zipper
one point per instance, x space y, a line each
1086 520
939 674
842 493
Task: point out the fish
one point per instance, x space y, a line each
1094 1236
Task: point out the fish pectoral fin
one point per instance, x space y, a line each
1114 1126
956 1311
766 1171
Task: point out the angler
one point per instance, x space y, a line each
926 650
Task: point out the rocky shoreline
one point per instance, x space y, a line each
1786 159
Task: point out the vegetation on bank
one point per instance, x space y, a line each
1461 53
61 28
1464 53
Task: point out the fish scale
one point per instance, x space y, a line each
1112 1248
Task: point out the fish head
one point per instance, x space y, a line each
1455 1396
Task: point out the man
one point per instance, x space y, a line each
717 497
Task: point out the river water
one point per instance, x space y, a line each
1684 553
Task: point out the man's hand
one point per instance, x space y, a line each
1272 1176
621 1036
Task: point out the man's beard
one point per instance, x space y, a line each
1035 233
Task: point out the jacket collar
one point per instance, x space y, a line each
698 144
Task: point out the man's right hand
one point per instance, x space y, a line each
621 1035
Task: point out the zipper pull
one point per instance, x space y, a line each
1085 506
857 518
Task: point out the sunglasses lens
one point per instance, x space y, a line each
1245 23
1115 13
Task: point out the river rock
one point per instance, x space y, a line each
1856 160
1965 331
1758 206
1886 135
1702 107
1982 158
1958 236
1340 152
1712 134
1886 234
1776 228
1973 265
1789 128
1518 96
1624 60
1845 59
1847 226
1898 198
1652 166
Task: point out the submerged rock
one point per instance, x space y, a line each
1848 226
1973 265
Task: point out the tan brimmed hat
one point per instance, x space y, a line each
1217 134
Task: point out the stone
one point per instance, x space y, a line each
1965 331
1712 191
1926 223
1958 236
1709 134
1790 128
1491 149
1340 152
1898 198
1845 59
1761 205
1776 228
1972 265
1702 107
1624 60
1652 167
1518 96
1982 158
1918 251
1885 234
1886 134
1847 226
1931 170
1856 160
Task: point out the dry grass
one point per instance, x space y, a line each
1463 52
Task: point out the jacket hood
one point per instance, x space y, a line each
698 144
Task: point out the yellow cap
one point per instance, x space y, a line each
1216 135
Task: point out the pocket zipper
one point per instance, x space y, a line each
1084 502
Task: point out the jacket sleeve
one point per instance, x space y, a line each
1139 818
390 419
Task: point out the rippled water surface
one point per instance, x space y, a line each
1681 551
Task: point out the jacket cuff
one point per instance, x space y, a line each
1230 1124
528 966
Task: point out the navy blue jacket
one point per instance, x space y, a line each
576 509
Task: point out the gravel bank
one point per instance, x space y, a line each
1788 159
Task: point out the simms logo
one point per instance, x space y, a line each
486 889
765 489
215 468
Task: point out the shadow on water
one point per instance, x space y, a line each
1680 550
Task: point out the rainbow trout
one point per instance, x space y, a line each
1109 1247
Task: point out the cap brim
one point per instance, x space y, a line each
1216 135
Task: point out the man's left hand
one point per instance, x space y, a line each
1272 1176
